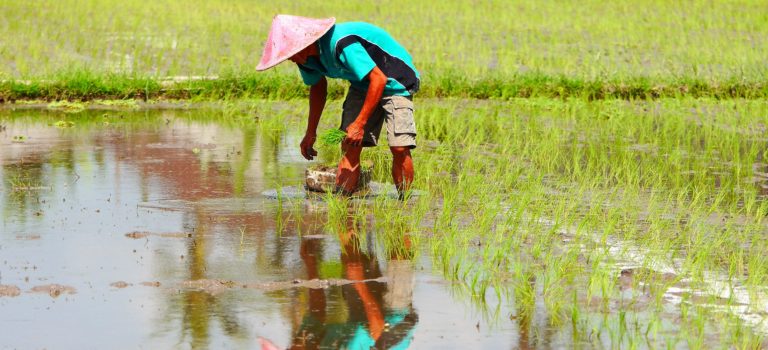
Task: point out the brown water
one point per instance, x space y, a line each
150 229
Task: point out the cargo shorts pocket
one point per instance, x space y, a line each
401 112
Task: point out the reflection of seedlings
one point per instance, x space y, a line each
21 182
19 139
151 284
117 103
64 124
54 290
67 106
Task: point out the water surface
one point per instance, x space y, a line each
149 229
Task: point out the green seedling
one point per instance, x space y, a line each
62 124
67 106
331 137
19 139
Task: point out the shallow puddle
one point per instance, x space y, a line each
161 233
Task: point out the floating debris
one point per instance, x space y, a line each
120 284
139 235
54 290
19 139
209 286
9 291
28 238
64 124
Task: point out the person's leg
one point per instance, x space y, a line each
401 134
348 172
349 168
402 168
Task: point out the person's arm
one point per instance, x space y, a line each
317 97
376 82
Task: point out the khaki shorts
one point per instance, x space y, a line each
396 111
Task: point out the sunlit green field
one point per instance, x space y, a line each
478 49
618 211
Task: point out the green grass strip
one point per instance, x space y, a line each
85 85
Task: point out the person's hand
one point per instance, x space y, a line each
306 147
354 134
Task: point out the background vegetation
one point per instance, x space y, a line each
497 49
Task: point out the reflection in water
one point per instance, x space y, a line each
23 182
377 314
200 306
531 318
105 181
185 161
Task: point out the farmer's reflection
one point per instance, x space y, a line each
380 314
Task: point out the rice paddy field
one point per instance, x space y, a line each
588 175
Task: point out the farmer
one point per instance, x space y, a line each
382 82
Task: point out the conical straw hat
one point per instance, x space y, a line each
289 35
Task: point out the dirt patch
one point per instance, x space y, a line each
312 284
214 287
9 291
54 290
140 235
314 236
28 238
120 284
209 286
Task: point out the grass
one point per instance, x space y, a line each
88 85
583 49
563 193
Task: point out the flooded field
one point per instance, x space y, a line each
180 228
156 234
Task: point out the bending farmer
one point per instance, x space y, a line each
382 82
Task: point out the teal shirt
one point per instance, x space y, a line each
351 50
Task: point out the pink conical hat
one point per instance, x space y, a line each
289 35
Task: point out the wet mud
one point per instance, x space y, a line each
218 286
9 291
140 235
120 284
54 290
28 237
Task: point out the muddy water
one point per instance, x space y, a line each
150 229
